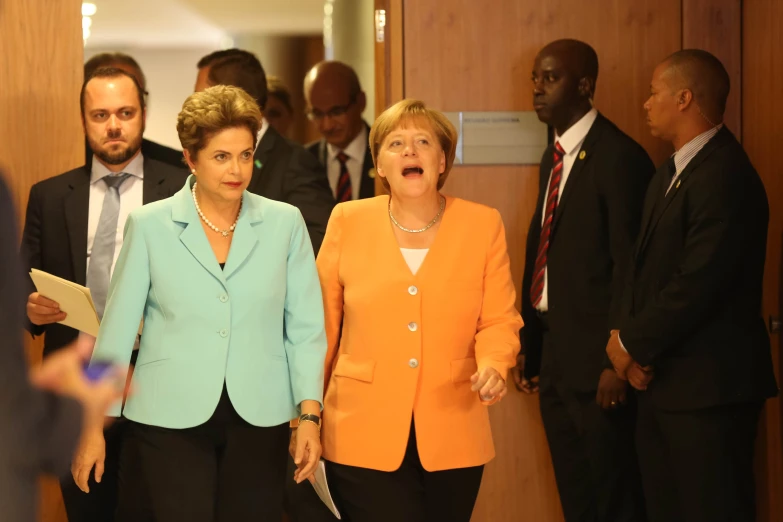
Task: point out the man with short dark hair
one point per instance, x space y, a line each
74 228
205 63
127 63
591 186
692 338
282 170
335 102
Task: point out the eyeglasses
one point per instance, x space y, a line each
334 112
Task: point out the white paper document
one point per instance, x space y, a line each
322 488
75 300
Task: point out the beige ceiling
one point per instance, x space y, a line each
198 23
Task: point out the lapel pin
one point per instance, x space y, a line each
677 185
371 173
582 155
258 164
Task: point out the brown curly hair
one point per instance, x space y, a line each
212 110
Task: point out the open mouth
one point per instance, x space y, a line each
408 171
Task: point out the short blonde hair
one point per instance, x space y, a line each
410 112
215 109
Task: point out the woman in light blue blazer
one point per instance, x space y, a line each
233 344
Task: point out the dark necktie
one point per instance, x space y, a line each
344 191
537 289
671 171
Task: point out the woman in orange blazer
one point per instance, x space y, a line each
421 330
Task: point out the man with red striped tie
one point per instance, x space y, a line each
335 102
592 183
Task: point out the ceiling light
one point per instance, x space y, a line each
88 9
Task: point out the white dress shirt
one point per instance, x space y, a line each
131 197
355 151
571 141
688 151
414 257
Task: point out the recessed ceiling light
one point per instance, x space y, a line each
89 9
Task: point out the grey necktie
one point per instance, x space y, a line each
102 256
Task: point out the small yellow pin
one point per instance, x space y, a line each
678 184
371 173
582 155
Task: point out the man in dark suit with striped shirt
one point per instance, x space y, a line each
691 337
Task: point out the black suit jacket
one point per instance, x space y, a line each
595 226
693 301
284 171
38 431
55 230
367 186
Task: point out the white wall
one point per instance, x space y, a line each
171 75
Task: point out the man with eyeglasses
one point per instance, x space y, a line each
335 102
282 169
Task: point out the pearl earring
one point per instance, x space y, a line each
193 171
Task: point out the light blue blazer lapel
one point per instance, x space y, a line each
193 237
245 237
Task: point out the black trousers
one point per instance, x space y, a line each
697 466
301 501
223 470
100 503
410 494
593 454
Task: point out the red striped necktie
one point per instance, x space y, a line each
344 191
537 289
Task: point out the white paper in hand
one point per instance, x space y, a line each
75 300
322 488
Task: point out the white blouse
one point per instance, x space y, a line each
414 257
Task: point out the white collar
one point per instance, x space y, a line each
576 133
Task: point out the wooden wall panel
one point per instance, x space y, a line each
40 130
40 77
762 112
462 55
389 73
716 26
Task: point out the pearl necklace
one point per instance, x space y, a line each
208 222
420 230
